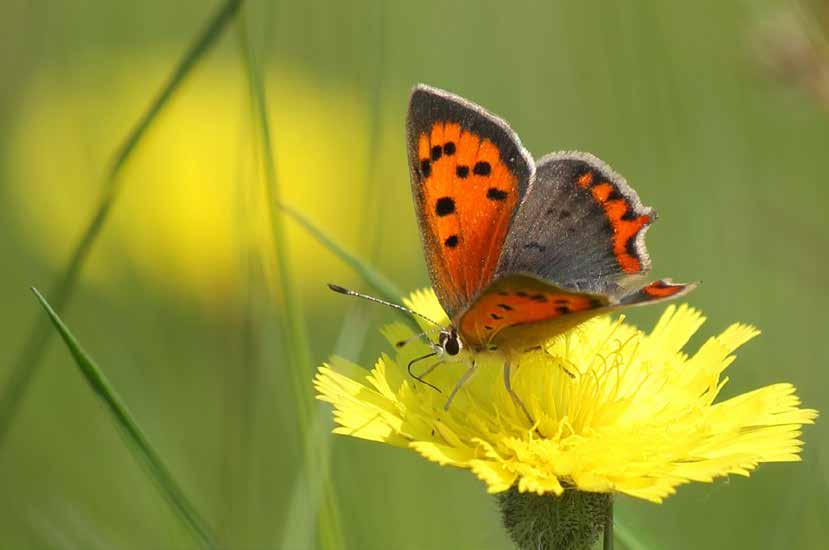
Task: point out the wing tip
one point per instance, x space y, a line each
658 291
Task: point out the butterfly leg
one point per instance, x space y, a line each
512 394
421 377
546 352
430 369
463 380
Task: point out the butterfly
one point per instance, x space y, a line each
518 250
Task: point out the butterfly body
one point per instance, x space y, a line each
520 250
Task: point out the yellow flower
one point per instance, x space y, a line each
616 410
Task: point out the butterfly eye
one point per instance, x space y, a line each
452 345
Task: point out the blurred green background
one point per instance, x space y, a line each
716 112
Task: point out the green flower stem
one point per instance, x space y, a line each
572 521
607 542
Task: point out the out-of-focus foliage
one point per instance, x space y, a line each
670 94
195 204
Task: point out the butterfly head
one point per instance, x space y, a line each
449 343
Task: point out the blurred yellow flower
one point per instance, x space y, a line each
193 200
619 410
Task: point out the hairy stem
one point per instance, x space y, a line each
572 521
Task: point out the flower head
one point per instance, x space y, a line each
615 409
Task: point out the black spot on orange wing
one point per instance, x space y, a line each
449 148
630 247
615 195
437 152
462 171
425 168
495 194
482 168
445 206
451 241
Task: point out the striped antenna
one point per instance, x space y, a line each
347 292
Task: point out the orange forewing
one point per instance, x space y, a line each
469 196
496 310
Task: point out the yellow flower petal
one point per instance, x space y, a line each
616 410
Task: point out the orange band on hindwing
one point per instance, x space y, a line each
656 291
663 289
624 221
495 311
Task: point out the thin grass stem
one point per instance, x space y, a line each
375 279
295 338
293 323
135 436
373 191
628 539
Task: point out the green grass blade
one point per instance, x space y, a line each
373 191
309 483
628 539
295 337
379 282
24 368
133 432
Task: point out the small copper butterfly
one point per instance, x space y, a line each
518 250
